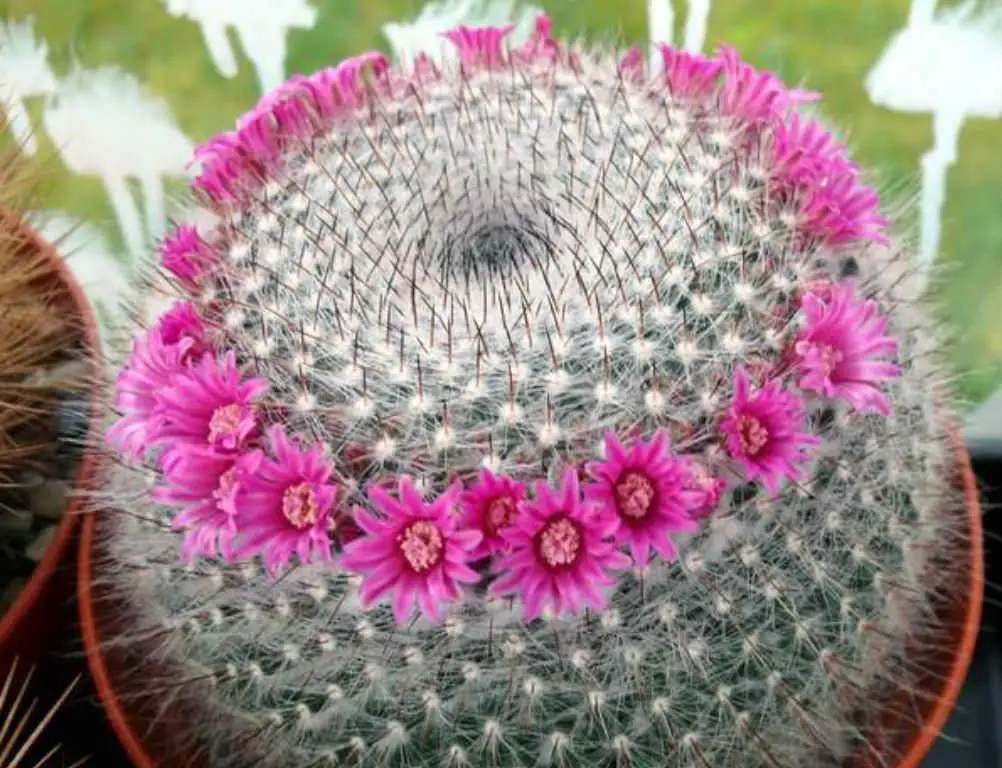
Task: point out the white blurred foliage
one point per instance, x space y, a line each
151 302
24 72
661 26
103 274
423 33
262 27
105 123
106 274
947 64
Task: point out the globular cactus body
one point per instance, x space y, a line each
654 314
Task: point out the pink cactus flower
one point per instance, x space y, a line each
286 504
262 137
632 64
702 481
283 115
234 164
484 46
414 550
803 151
290 89
841 210
821 288
289 109
840 349
644 487
224 168
755 96
211 404
689 75
762 432
333 90
489 506
151 367
205 485
183 321
561 552
187 256
541 46
809 163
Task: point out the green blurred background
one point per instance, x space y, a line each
829 45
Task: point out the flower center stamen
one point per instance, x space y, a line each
299 505
634 495
227 485
225 422
501 513
752 434
829 357
697 477
421 545
560 543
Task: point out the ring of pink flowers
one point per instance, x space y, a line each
808 165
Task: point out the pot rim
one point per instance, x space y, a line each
922 737
969 626
62 540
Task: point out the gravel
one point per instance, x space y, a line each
10 592
47 499
36 550
30 513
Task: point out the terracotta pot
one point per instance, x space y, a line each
41 612
947 670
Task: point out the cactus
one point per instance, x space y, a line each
531 409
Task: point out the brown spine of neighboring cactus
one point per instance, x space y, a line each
36 330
